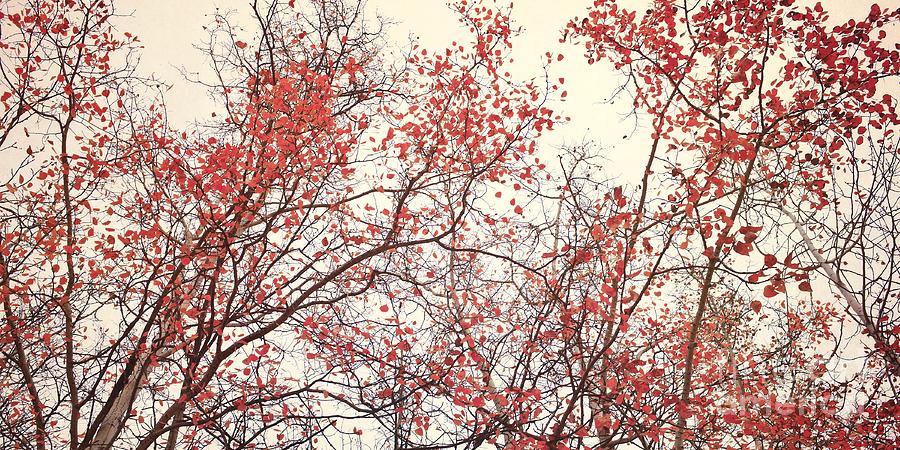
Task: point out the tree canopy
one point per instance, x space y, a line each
366 250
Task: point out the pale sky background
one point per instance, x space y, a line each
169 30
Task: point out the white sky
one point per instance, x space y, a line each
170 28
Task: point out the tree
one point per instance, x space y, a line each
755 102
362 250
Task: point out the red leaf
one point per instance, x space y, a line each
756 305
743 248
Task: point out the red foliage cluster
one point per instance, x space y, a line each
330 259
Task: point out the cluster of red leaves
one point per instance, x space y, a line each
327 257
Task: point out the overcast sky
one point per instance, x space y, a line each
170 28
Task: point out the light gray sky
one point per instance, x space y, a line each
170 28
